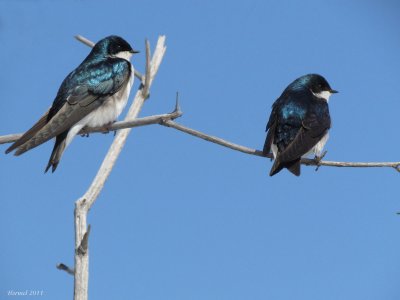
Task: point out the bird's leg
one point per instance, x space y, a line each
318 159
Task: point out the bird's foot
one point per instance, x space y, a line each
318 160
86 134
148 93
107 128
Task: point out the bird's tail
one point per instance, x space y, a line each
30 133
58 150
292 166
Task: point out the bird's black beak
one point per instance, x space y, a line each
134 51
333 91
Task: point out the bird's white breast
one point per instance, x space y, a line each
107 113
112 107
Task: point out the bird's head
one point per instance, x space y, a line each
315 83
114 46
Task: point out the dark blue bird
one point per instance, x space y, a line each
92 95
299 123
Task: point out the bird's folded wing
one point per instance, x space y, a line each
307 137
63 120
269 139
271 127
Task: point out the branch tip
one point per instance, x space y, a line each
84 40
177 106
65 268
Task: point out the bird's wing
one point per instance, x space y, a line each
269 139
271 126
312 130
97 83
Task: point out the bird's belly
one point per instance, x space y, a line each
112 107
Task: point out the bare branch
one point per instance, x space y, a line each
304 161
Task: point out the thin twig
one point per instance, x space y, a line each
304 161
85 41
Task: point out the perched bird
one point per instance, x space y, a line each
92 95
299 123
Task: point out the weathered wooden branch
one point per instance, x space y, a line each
83 204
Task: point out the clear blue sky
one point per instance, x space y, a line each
181 218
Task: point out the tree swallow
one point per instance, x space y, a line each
92 95
299 123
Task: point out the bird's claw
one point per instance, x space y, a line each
318 160
107 128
